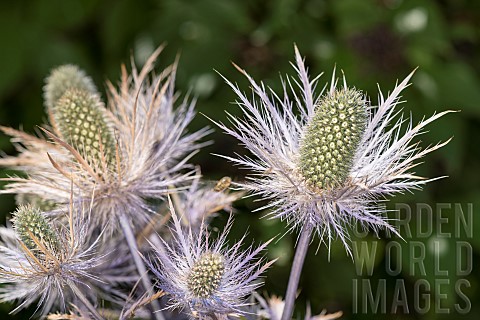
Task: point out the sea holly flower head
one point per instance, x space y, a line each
204 276
327 165
47 263
331 139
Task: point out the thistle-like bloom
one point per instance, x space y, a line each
204 277
125 156
327 165
46 263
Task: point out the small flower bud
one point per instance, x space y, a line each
63 78
206 274
28 221
331 139
79 116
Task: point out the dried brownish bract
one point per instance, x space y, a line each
33 158
132 310
125 155
271 307
77 313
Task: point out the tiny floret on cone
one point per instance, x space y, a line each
331 139
205 275
32 228
81 121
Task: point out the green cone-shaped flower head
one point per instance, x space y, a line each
29 221
63 78
206 274
80 118
331 139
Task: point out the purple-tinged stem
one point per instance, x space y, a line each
296 271
142 270
86 303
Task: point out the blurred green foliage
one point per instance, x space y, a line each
372 41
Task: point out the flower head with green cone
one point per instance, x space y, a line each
47 263
204 276
325 167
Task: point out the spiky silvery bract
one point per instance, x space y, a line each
63 78
123 158
327 165
203 276
47 264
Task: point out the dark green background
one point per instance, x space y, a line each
373 41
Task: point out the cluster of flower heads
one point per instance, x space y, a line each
97 173
107 189
121 158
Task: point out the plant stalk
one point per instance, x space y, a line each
85 301
296 271
142 270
